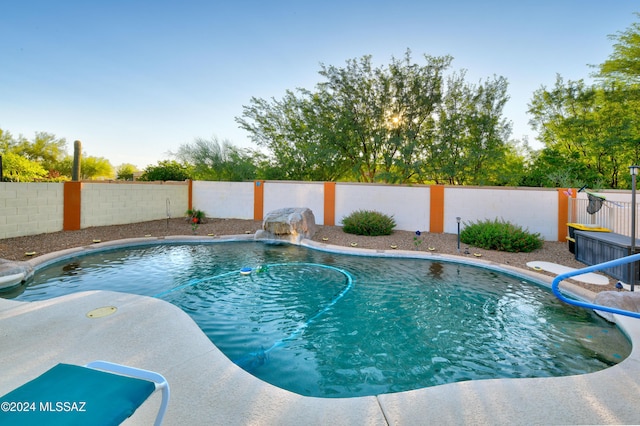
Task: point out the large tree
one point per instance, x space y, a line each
620 77
215 160
126 171
371 123
471 137
624 62
594 128
383 117
91 168
298 132
7 141
25 159
44 152
45 149
17 168
167 170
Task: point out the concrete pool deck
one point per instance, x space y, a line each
207 388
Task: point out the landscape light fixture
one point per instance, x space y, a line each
633 170
458 220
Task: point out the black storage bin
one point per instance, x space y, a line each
572 227
598 247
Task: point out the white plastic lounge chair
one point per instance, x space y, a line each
100 393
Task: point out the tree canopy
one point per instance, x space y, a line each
591 133
624 62
126 171
401 123
404 122
45 158
215 160
90 167
167 170
17 168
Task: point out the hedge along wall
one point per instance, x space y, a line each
431 208
117 203
409 205
535 209
30 208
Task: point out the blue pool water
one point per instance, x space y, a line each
330 325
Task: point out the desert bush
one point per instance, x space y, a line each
367 222
500 235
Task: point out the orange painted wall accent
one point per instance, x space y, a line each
436 209
72 192
329 203
258 199
563 211
190 195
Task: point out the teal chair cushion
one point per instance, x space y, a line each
74 395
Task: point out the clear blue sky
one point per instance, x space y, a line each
134 80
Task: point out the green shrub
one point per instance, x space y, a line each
195 214
366 222
500 235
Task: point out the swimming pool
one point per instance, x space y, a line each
402 324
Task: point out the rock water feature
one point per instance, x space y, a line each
290 224
628 301
13 273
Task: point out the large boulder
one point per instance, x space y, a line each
627 301
13 273
290 224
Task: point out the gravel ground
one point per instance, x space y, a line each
16 248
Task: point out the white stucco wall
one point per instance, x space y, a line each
35 208
30 208
534 209
409 205
229 200
278 195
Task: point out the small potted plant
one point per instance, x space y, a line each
195 214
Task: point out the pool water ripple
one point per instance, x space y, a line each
330 325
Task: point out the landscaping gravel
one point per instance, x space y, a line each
17 248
